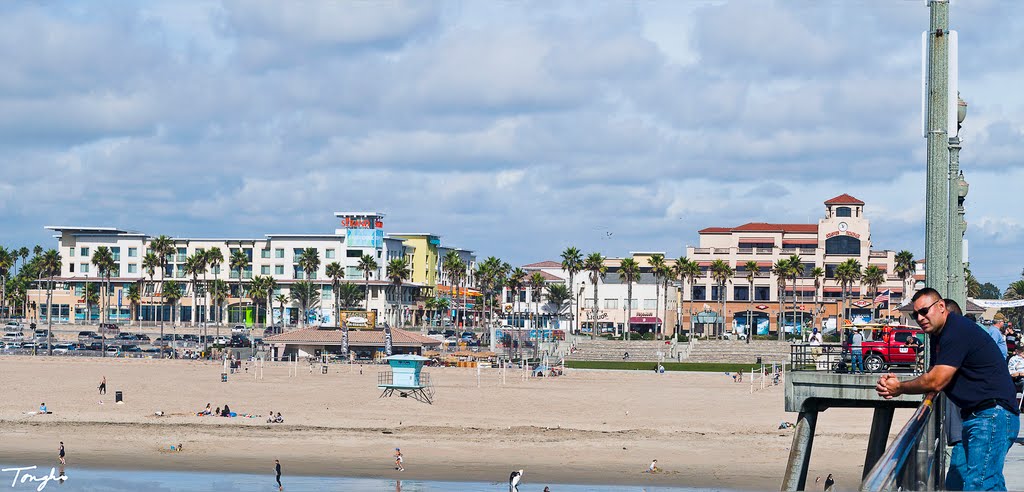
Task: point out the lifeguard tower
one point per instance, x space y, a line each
406 376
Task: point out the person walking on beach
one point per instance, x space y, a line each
398 460
830 483
277 472
62 453
103 386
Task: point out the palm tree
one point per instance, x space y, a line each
657 263
817 273
689 270
847 273
6 262
259 289
214 258
752 271
904 269
309 262
172 292
270 285
281 299
49 267
398 272
536 289
150 263
219 291
336 272
594 263
721 273
629 272
307 294
239 262
162 246
572 263
781 271
194 266
873 277
558 295
367 265
796 270
134 300
454 269
349 295
202 261
103 260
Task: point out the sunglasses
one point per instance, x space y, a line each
924 311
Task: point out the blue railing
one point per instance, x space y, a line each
896 462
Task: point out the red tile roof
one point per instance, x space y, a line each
844 199
715 230
315 336
544 264
766 227
550 278
757 240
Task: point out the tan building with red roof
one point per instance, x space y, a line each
842 233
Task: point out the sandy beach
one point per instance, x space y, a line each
585 427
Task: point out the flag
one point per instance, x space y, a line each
883 298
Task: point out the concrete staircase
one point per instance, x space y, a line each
639 350
737 351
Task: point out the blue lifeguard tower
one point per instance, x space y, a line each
406 376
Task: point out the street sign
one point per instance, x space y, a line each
119 291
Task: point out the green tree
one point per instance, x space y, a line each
721 273
135 300
281 299
455 269
796 270
307 294
516 282
629 272
163 247
50 267
594 263
818 274
873 277
781 271
847 274
150 263
367 265
260 290
349 295
688 270
752 270
536 290
336 272
904 269
103 260
988 290
6 262
172 293
214 257
657 263
219 291
398 273
239 262
559 296
572 263
195 266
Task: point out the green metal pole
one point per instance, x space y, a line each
957 283
937 191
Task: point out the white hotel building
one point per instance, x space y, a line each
274 255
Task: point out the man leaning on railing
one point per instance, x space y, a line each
967 366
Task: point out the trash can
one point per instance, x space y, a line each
758 361
323 369
223 377
118 397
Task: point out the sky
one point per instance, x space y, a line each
515 129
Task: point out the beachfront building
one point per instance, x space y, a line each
313 342
843 233
274 256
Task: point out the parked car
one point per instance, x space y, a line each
221 341
93 346
272 330
190 338
891 348
40 335
239 341
131 347
124 335
88 336
109 329
12 345
142 337
113 351
61 348
29 345
13 336
239 329
13 326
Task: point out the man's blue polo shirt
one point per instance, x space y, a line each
981 371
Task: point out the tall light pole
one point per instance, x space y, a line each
957 283
937 176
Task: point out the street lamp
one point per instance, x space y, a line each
579 328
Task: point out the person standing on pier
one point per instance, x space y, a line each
968 367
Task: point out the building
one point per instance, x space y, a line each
362 344
274 256
843 233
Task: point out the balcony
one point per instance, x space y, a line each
720 251
179 258
701 251
764 251
745 251
788 251
877 254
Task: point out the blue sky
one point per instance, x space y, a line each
511 128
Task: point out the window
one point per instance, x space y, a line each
762 293
716 293
329 254
297 252
843 212
278 269
328 292
353 272
84 268
296 272
133 252
78 290
215 269
84 252
842 245
699 293
133 268
354 253
741 293
279 253
650 303
72 267
71 252
634 304
116 252
265 270
611 303
830 271
264 253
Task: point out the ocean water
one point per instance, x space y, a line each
102 480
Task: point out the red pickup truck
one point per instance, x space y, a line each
889 347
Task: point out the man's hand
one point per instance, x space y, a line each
888 386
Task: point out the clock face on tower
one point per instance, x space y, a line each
843 226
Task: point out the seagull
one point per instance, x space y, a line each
513 481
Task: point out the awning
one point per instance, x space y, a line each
757 240
704 263
833 289
803 289
810 242
881 267
644 320
764 264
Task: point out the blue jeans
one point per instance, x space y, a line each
857 361
988 435
957 464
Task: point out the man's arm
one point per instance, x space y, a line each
890 386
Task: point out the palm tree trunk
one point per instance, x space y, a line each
629 308
593 332
750 311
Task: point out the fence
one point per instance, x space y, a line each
900 466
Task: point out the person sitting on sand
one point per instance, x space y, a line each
42 408
278 419
207 410
270 417
226 412
653 468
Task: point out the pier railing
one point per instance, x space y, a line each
911 462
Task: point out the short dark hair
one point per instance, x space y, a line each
924 292
953 307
